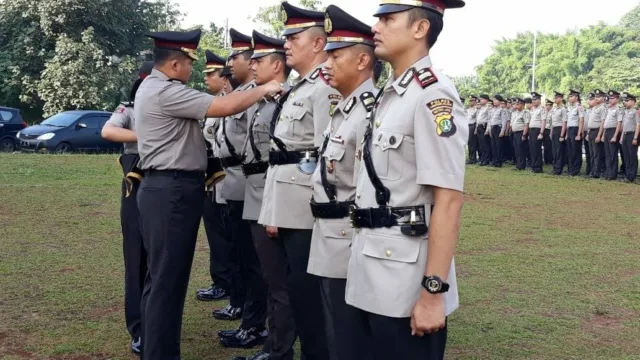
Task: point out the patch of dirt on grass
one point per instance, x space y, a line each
81 357
99 313
9 346
66 270
609 319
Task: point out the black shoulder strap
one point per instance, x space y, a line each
274 120
256 152
232 149
382 193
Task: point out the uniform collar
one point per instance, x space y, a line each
249 85
347 105
159 74
401 84
314 74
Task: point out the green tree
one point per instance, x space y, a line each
631 20
212 39
466 85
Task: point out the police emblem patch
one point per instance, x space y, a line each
442 109
253 43
328 25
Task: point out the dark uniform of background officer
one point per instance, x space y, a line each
171 198
121 128
630 133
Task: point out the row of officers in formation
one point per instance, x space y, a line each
523 131
331 208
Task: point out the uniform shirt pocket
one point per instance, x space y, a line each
386 152
295 127
290 174
235 123
257 181
392 248
333 155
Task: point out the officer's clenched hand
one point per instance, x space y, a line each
272 231
613 141
273 88
635 142
428 314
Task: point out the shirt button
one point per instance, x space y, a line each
378 123
343 233
293 178
384 144
331 153
388 253
358 195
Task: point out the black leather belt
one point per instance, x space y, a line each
411 219
255 168
176 173
231 161
290 157
330 210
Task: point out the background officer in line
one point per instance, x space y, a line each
248 291
612 130
596 134
575 128
412 179
472 144
585 134
497 125
171 197
558 117
630 133
214 78
294 152
536 132
547 142
268 63
519 125
121 128
349 67
482 127
527 108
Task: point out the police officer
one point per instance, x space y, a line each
268 63
630 133
497 125
171 197
351 60
519 125
575 125
585 134
484 140
558 117
527 108
413 154
297 137
121 128
214 78
612 131
547 141
536 132
472 116
596 134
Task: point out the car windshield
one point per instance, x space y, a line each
61 120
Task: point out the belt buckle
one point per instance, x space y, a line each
352 216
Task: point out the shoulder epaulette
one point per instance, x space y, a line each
222 94
368 100
127 103
323 75
251 86
426 77
175 81
315 74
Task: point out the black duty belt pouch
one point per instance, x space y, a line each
215 172
255 168
330 210
411 219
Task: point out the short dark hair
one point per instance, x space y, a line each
435 19
282 58
162 55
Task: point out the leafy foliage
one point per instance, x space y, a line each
270 18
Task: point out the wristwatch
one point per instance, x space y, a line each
434 285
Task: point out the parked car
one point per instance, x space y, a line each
68 131
10 123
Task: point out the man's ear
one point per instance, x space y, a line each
421 29
318 44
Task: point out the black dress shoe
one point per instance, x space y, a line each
228 313
136 345
228 333
261 355
213 293
246 338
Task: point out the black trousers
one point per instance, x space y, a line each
390 338
485 145
587 152
631 156
548 146
509 151
574 150
280 320
171 205
304 292
611 155
559 151
535 149
135 259
623 158
597 153
343 323
496 146
230 250
250 274
220 243
472 144
519 146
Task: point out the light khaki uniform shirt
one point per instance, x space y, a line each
472 115
301 125
519 119
419 144
167 114
597 116
210 131
558 116
330 244
630 120
537 114
483 115
613 117
122 117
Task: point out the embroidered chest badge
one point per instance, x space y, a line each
441 110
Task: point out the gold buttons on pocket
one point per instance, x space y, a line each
343 233
388 253
378 123
293 178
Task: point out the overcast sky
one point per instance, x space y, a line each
468 34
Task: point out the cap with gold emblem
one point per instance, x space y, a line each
264 45
438 6
239 42
186 41
298 20
214 62
344 30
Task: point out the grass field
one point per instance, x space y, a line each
549 268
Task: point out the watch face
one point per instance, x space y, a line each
433 285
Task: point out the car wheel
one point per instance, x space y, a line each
64 148
7 145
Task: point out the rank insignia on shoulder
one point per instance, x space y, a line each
350 105
367 99
251 86
442 111
406 79
335 97
315 74
426 77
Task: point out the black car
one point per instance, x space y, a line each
68 131
10 123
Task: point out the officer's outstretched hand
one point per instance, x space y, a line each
273 88
428 314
